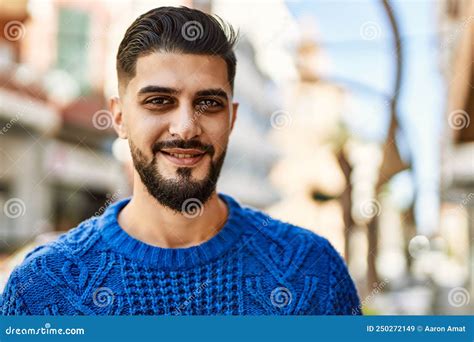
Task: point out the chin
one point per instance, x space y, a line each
185 172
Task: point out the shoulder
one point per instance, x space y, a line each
72 244
304 262
286 236
290 247
47 268
273 233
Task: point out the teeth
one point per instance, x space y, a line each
176 155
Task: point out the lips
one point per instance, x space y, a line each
183 157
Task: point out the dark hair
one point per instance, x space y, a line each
176 29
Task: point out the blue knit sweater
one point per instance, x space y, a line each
255 265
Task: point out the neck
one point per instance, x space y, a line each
145 219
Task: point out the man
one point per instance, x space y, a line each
177 247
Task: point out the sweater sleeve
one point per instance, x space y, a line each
11 301
343 297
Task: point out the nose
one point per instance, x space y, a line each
185 123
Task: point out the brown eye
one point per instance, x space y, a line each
159 101
208 105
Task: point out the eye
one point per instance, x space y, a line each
159 101
208 105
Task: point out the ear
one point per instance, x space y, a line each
115 106
235 107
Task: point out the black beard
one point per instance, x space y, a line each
173 193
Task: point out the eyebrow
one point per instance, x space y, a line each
157 89
213 92
167 90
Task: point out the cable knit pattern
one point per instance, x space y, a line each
255 265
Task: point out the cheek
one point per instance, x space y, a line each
145 130
217 131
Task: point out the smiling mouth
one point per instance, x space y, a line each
183 157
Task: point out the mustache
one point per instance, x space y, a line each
194 144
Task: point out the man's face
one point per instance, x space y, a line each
177 114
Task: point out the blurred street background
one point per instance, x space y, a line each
355 121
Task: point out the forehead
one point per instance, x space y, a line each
186 72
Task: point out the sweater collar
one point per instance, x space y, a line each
121 242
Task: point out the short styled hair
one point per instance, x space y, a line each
178 30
